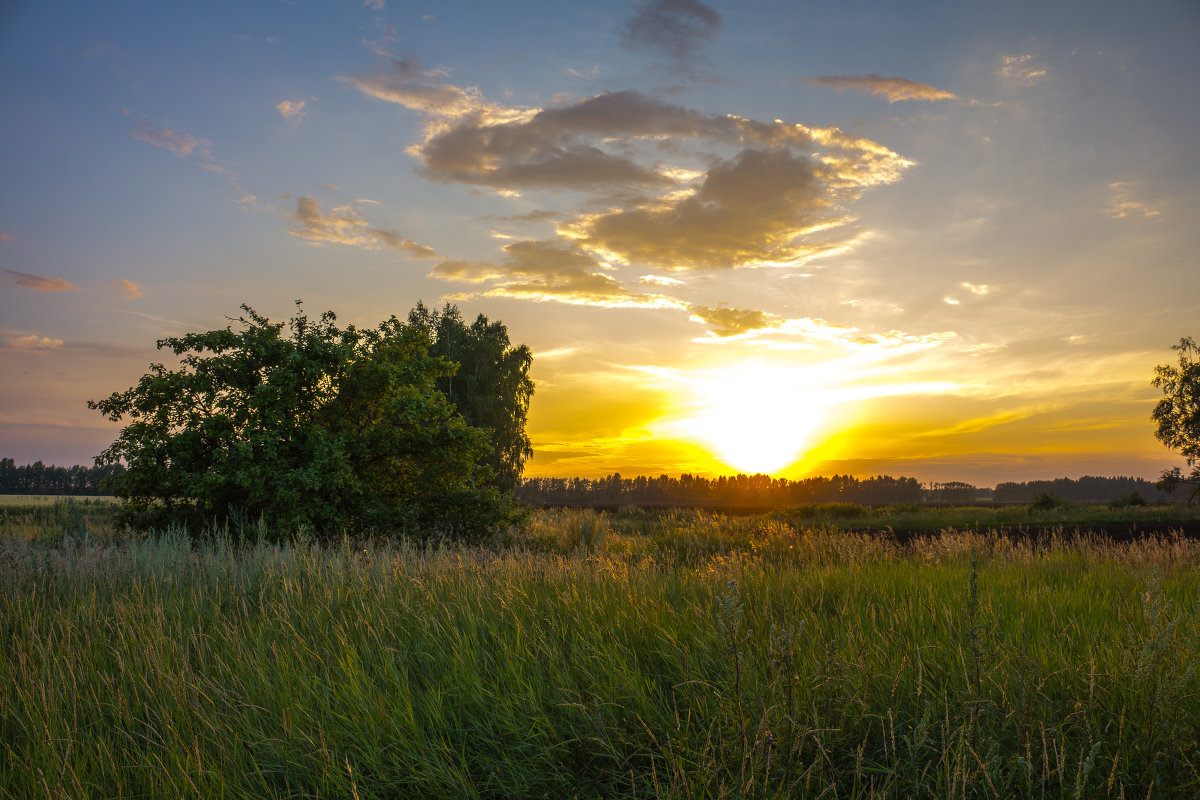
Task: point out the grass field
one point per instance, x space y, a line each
26 500
672 654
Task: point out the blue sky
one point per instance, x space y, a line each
947 240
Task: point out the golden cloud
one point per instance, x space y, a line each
681 189
128 288
1022 69
1125 203
292 111
34 342
894 89
409 84
534 270
725 323
344 225
39 283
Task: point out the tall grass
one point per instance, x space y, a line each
680 655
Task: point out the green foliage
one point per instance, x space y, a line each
1131 499
1177 414
322 428
1045 501
491 387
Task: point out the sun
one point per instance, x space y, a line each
757 418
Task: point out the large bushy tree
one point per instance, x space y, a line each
491 387
317 426
1177 414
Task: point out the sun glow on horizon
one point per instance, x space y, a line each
756 418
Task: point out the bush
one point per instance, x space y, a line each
1046 501
324 429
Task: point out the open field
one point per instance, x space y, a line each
23 500
666 654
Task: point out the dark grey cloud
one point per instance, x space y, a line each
675 28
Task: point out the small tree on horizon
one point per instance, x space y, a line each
1177 415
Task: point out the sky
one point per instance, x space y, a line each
944 240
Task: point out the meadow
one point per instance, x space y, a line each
630 655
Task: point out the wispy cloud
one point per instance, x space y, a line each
675 29
344 225
292 111
406 82
378 5
1022 69
128 288
725 323
34 342
181 144
194 148
893 89
39 283
1124 202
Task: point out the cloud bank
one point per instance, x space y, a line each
663 187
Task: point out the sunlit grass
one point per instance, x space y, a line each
650 655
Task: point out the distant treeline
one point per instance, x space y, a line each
37 478
736 490
1088 489
692 490
762 490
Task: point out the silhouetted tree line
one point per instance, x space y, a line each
37 478
735 490
1088 489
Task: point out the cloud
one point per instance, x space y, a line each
676 28
894 89
128 288
378 5
344 225
1022 69
409 84
661 187
34 342
181 144
39 283
4 237
292 111
535 270
726 323
977 289
184 145
1124 202
759 208
659 280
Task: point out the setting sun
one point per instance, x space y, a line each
756 419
